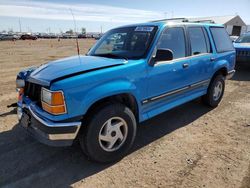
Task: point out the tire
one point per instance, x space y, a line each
93 139
211 99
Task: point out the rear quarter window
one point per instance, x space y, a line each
221 39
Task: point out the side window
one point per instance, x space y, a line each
197 41
221 39
173 39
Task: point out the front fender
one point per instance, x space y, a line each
109 89
79 100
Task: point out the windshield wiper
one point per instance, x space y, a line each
110 55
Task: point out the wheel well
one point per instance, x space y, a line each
125 98
222 71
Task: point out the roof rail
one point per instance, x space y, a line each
203 21
184 20
171 19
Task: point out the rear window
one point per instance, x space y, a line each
221 39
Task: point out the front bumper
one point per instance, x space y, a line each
46 131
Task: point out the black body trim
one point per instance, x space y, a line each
177 91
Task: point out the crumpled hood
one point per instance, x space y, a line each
242 46
70 66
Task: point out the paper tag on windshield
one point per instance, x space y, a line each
144 29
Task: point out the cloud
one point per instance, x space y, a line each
82 12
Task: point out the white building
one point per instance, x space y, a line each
233 24
248 28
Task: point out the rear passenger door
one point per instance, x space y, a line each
200 54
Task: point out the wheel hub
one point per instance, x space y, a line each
113 134
217 91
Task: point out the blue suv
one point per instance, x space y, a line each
242 47
131 74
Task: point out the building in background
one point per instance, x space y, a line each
233 24
248 28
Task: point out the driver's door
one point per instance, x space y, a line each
167 79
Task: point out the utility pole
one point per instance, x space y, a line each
111 21
172 14
101 29
165 14
20 26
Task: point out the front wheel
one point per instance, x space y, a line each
109 134
215 91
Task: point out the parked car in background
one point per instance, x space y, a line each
242 46
9 37
97 36
82 36
89 35
28 37
69 36
234 38
47 36
131 74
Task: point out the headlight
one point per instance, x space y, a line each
46 96
20 88
20 83
53 101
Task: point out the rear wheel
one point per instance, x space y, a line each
215 91
109 134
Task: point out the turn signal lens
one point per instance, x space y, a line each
53 102
56 110
57 98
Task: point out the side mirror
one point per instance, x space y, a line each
163 55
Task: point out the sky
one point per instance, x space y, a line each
102 15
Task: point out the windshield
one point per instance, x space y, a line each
127 42
243 39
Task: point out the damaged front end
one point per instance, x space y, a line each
33 118
20 84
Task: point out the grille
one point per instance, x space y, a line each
243 53
33 91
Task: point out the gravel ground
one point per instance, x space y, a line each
189 146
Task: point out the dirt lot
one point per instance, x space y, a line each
189 146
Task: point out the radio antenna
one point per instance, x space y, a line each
77 44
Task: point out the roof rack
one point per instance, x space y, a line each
184 20
171 19
203 21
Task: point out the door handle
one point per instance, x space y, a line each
185 65
212 59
